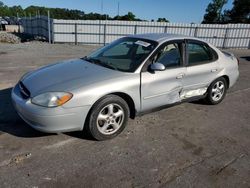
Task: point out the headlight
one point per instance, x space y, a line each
52 99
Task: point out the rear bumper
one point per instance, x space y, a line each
50 120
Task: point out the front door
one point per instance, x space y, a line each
159 88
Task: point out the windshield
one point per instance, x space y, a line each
125 54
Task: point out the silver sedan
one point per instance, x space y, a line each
131 76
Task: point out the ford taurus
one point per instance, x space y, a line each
130 76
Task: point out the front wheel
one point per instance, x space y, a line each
216 91
108 117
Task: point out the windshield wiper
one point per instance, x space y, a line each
91 60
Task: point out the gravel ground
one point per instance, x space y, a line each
9 37
23 57
189 145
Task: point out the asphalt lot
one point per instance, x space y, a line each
189 145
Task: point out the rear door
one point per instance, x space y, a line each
161 88
202 68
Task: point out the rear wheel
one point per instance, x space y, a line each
108 117
216 91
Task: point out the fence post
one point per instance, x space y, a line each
196 31
225 38
19 27
76 34
31 28
166 29
104 34
26 25
49 27
135 30
99 32
52 32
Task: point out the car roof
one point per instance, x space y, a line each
162 37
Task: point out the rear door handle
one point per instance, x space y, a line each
214 70
180 76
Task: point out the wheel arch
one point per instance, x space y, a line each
127 98
227 80
225 77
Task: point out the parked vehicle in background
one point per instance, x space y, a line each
12 20
3 22
130 76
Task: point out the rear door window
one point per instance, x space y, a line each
198 53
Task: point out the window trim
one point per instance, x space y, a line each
182 52
211 51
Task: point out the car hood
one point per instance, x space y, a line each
66 76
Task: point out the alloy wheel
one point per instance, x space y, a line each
218 90
110 119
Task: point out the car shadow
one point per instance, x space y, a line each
246 58
10 122
81 135
201 102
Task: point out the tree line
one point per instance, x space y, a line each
63 13
240 12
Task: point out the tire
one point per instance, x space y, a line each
108 117
216 91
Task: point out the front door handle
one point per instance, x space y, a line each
180 76
214 70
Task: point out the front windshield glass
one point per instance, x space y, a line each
125 54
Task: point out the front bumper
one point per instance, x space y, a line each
50 120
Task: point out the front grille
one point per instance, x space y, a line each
24 91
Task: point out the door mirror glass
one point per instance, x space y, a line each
157 67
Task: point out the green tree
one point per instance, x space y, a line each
59 13
214 12
16 10
129 17
240 13
162 20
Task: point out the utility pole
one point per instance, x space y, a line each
102 7
118 10
49 34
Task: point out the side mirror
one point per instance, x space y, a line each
157 67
